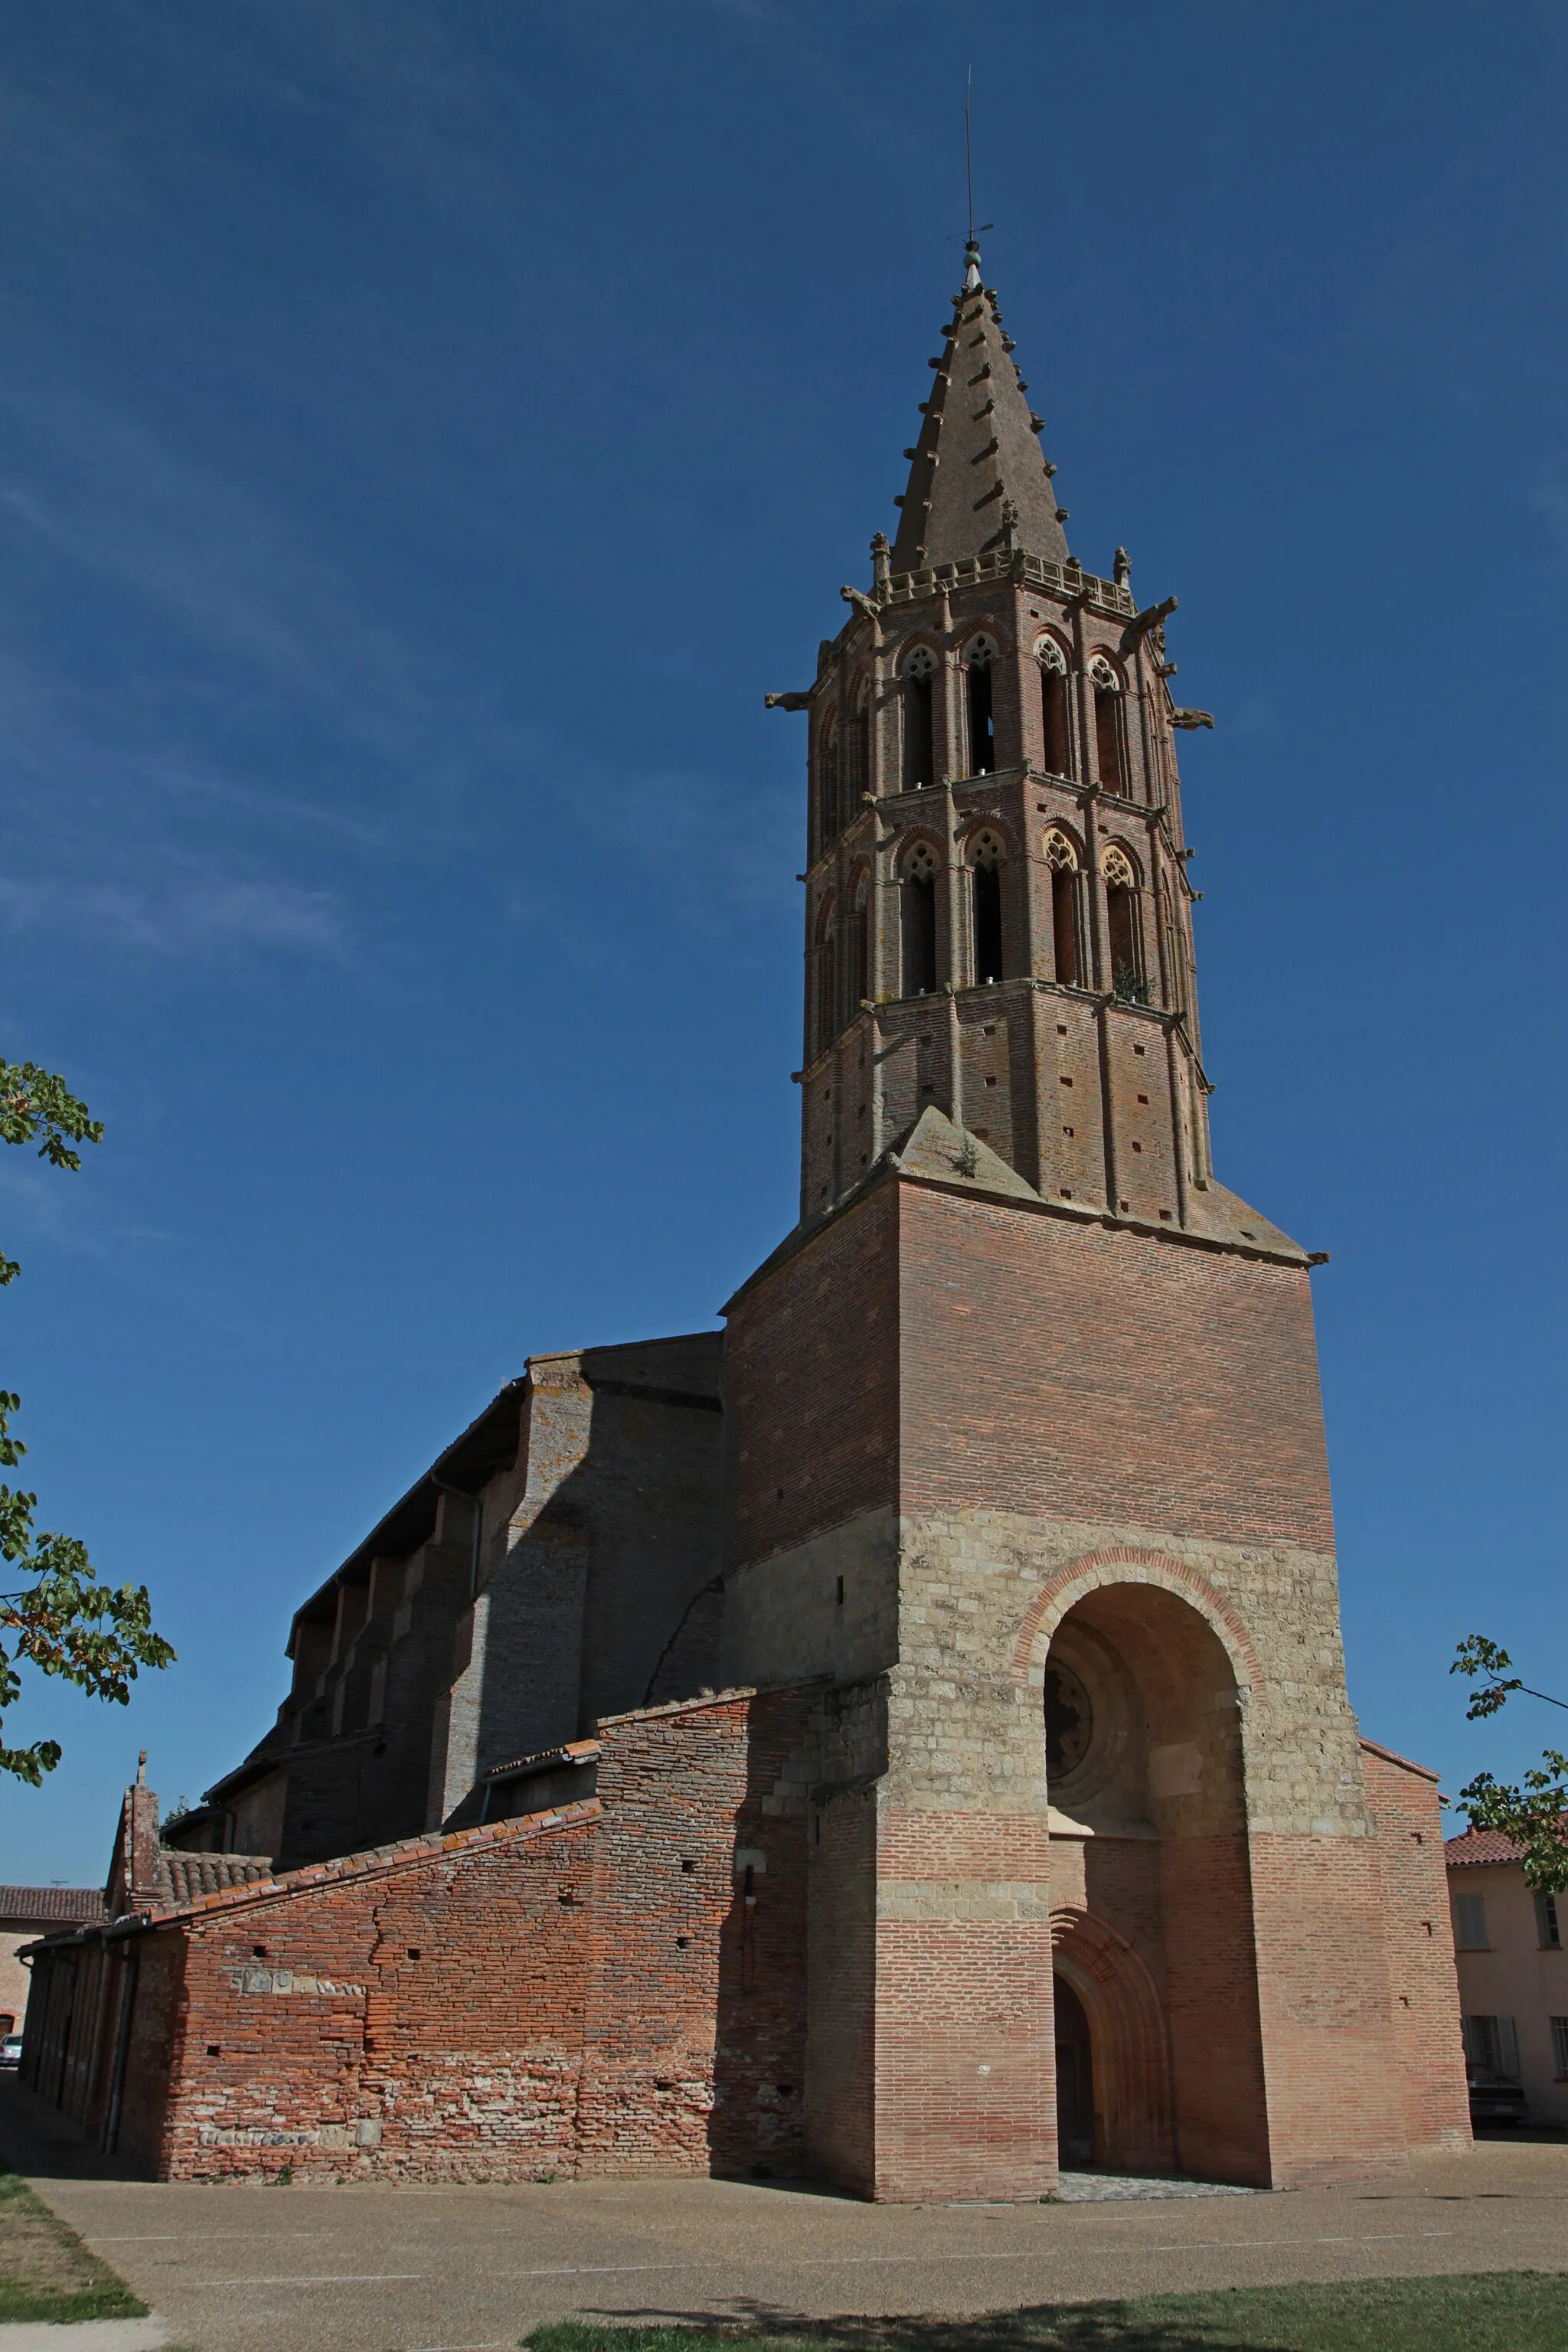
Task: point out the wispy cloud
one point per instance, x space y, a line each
175 908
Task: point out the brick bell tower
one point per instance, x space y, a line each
1027 1469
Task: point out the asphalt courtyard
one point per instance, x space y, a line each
382 2269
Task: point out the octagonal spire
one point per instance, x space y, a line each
977 478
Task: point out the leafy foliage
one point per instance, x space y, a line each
64 1621
1535 1811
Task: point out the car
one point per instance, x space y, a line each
1492 2102
10 2051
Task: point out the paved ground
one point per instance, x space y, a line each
452 2270
84 2335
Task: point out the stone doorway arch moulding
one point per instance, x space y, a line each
1122 1564
1133 2127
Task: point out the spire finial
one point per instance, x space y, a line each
972 280
142 1769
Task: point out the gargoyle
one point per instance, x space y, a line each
862 604
1191 718
786 702
1153 617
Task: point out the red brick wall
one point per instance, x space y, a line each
584 1991
151 2052
440 2008
695 2030
965 2053
841 2056
1330 2055
1076 1371
944 1351
1223 2120
1423 1982
812 1368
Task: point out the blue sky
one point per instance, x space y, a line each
427 434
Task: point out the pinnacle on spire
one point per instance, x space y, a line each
977 455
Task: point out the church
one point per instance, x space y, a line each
899 1741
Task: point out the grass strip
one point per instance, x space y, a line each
1516 2311
45 2272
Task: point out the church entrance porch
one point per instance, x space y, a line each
1157 2037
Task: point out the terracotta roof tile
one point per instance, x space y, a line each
72 1905
183 1877
1481 1845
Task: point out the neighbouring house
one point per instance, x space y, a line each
1513 1972
26 1914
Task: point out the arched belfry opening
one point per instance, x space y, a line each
916 919
1061 860
1159 2040
827 973
917 683
1109 746
985 900
859 942
979 676
1053 669
1124 926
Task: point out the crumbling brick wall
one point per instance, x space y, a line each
617 1985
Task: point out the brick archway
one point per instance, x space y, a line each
1121 1564
1127 2028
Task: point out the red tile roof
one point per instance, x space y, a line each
1481 1845
71 1905
181 1877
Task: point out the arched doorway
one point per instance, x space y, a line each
1075 2078
1150 1889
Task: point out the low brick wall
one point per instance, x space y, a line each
597 1988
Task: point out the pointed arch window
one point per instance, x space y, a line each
859 944
916 682
1124 927
985 905
1062 859
1108 743
917 912
1053 705
979 678
827 749
826 974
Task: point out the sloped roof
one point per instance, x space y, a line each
1391 1755
936 1148
1481 1845
976 452
73 1905
181 1877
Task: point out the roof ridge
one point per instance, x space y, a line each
429 1844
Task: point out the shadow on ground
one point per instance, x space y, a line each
1056 2328
1515 2311
36 2140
